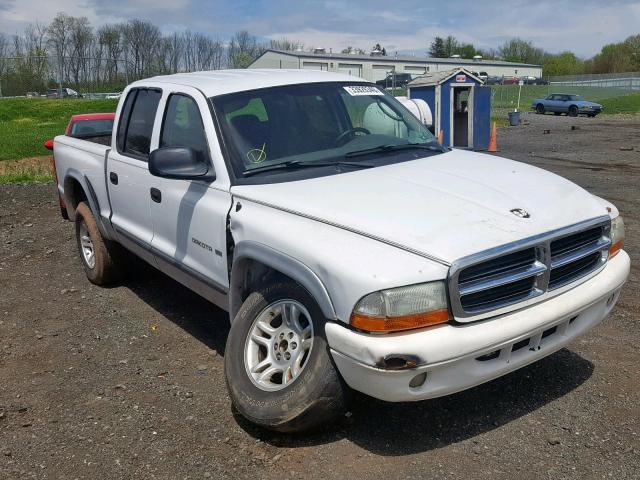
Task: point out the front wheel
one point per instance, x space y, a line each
573 111
278 367
540 109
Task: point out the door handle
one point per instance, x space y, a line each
156 195
113 177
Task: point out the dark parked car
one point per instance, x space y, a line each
493 80
572 105
401 80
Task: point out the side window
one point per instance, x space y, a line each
136 125
182 126
124 119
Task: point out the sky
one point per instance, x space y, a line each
408 26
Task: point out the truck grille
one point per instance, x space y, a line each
502 279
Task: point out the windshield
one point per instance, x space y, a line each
315 125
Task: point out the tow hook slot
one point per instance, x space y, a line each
398 362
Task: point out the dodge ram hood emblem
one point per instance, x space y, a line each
520 212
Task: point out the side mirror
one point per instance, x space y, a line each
48 144
180 163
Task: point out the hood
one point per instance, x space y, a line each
444 207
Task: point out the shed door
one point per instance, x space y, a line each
315 66
354 69
481 117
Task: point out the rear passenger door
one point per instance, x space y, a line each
189 218
128 178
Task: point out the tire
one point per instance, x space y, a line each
105 268
540 109
315 396
573 111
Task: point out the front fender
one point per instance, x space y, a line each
337 266
247 250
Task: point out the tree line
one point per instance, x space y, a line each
613 58
70 52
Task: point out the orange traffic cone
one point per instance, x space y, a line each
440 137
493 144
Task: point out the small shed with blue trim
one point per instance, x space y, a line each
460 104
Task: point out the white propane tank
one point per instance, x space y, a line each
419 108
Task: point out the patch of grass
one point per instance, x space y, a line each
27 170
24 178
25 123
625 104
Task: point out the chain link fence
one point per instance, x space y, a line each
594 87
91 77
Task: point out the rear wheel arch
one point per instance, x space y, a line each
74 193
77 188
255 263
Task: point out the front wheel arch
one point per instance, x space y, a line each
252 259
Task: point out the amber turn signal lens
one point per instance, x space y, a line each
615 248
396 324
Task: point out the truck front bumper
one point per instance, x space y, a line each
445 359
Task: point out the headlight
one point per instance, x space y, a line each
402 308
617 235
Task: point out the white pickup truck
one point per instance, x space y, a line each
350 249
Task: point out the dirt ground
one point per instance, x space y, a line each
127 382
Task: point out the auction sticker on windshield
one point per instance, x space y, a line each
357 90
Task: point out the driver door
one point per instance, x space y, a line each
189 216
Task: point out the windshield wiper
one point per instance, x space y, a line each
292 164
432 146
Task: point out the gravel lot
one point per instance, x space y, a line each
127 382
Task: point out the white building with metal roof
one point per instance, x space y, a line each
377 67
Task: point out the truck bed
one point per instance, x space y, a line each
84 158
101 139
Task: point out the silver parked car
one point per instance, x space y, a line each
572 105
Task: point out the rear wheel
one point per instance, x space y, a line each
278 368
573 111
99 256
540 109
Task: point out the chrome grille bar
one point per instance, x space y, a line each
573 255
521 273
536 268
